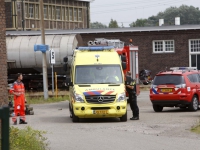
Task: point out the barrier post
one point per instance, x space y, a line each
4 120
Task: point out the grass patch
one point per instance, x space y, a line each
27 139
41 100
196 129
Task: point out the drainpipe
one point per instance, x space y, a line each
23 15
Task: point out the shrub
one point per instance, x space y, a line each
27 139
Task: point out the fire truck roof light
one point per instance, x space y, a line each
101 48
183 68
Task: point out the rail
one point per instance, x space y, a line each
4 130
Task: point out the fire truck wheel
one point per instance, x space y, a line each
124 117
157 108
74 117
194 104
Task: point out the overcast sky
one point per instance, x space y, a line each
127 11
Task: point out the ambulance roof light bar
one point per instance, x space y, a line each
183 68
100 48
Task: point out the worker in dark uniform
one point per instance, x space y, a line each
131 89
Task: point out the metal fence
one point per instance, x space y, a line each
4 128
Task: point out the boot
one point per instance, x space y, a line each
135 118
22 122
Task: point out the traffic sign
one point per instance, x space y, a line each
52 57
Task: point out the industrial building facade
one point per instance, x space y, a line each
58 14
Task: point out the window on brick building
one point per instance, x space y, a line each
75 14
45 12
50 14
37 11
58 8
163 46
66 14
79 14
31 11
53 13
194 49
70 14
26 10
63 13
194 45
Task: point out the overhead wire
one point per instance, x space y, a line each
125 3
140 7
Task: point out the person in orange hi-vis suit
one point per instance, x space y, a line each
18 91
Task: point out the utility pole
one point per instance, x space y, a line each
44 59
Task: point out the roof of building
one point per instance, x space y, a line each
108 30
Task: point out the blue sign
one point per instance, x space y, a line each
42 48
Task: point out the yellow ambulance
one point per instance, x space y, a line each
96 84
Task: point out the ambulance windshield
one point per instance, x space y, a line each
98 74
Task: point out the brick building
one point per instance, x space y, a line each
3 57
58 14
159 47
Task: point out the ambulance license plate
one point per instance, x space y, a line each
166 90
100 112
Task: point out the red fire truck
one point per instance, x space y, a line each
128 54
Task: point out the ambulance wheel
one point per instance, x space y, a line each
74 117
157 108
70 111
194 104
31 112
124 117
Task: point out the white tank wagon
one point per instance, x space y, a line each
21 56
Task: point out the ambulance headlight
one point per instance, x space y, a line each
121 97
79 98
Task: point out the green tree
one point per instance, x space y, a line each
113 24
95 25
139 23
187 14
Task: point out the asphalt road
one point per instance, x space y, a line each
168 130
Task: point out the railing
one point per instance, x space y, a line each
4 128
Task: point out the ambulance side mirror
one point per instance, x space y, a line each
124 65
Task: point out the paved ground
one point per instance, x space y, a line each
168 130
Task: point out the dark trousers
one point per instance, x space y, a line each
133 105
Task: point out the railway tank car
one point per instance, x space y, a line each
21 57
